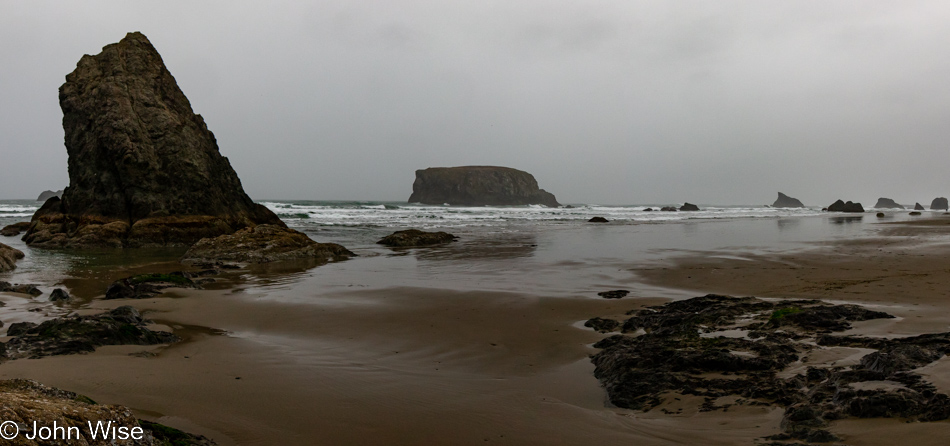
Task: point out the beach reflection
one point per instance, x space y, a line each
487 247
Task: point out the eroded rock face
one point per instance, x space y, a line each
939 203
263 244
478 186
415 237
144 170
887 203
841 206
719 346
784 201
8 257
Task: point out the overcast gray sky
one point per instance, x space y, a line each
719 102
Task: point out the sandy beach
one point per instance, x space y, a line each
423 347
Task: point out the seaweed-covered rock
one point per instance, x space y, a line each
887 203
415 237
9 257
82 334
602 325
264 244
144 170
478 186
784 201
14 229
841 206
715 346
143 286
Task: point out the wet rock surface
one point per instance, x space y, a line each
415 237
59 294
9 257
613 294
14 229
82 334
598 220
22 288
143 286
602 325
719 346
144 170
264 244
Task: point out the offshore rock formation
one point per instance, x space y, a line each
263 244
840 206
8 257
415 237
784 201
478 186
144 170
47 194
939 203
887 203
689 207
918 207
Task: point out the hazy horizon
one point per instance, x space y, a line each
611 102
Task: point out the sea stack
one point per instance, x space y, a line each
841 206
478 186
784 201
887 203
47 194
918 207
144 170
939 203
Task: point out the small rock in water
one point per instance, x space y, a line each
615 294
415 237
915 213
880 214
598 220
58 294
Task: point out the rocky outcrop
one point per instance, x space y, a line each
784 201
689 207
415 237
598 220
22 288
887 203
143 286
263 244
47 194
144 170
668 209
939 203
918 207
14 229
841 206
478 186
82 334
614 294
8 257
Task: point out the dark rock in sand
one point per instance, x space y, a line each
415 237
939 203
82 334
880 214
478 186
264 244
841 206
887 203
915 213
784 201
144 170
668 209
689 207
681 353
602 325
58 294
15 229
47 194
9 257
143 286
615 294
918 207
25 288
598 220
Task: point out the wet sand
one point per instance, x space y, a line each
356 353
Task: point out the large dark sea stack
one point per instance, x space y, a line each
144 170
478 186
841 206
784 201
939 203
887 203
